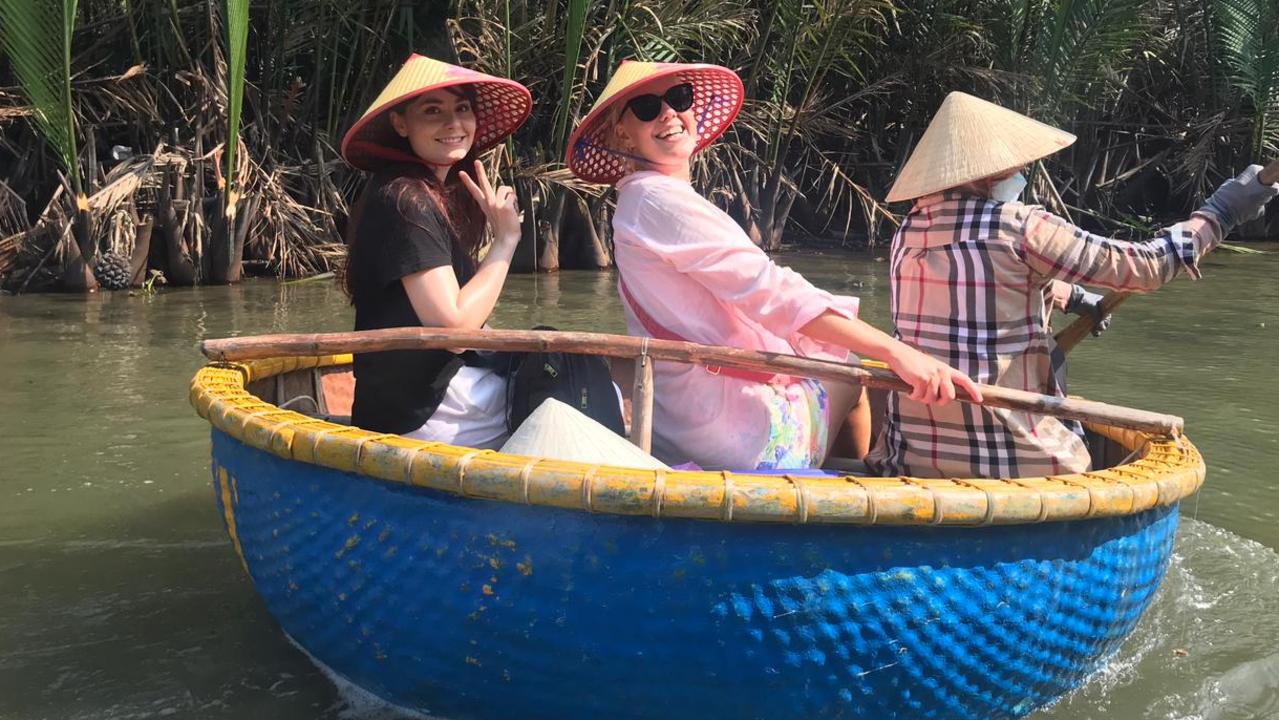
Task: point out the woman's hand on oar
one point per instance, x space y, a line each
931 380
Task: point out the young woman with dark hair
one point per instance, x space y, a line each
413 241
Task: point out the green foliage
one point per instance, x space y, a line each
1248 32
1167 96
237 30
575 25
150 287
36 38
1084 51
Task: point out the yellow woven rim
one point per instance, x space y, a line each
1161 472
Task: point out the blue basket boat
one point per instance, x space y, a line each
470 584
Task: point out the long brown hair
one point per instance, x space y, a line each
412 189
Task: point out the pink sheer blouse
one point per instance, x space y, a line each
698 276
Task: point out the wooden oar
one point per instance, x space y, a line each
272 346
1068 338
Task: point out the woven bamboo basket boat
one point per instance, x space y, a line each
472 584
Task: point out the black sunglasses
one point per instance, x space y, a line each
647 107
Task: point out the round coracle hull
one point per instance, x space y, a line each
472 608
474 585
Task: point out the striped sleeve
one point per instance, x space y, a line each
1053 248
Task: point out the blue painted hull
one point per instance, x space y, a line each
468 608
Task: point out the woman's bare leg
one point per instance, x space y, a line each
848 434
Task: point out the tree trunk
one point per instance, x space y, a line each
77 275
174 218
599 219
525 259
743 211
141 250
227 246
581 246
549 258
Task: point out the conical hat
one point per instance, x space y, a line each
501 106
717 98
558 432
970 139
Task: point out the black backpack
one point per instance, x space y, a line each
579 381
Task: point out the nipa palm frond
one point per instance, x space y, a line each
1086 44
575 24
36 35
237 28
1248 33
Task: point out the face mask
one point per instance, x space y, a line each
1009 189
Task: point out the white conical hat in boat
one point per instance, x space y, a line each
556 431
970 139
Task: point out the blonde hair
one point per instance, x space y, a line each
613 141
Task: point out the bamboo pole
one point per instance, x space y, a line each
1068 338
307 345
642 403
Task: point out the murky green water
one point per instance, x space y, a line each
120 596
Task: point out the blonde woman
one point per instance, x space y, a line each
689 272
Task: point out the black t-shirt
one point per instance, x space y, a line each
401 232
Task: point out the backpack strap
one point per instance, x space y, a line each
652 327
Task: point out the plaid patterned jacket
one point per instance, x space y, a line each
970 280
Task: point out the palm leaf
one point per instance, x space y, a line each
575 25
36 35
1248 38
237 29
1086 46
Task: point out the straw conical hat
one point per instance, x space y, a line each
501 106
970 139
717 98
558 432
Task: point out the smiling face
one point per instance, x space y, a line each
439 125
665 142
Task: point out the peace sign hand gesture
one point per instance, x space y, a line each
498 205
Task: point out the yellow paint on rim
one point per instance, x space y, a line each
228 509
1161 472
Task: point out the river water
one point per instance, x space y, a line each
121 598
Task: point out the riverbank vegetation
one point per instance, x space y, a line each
115 115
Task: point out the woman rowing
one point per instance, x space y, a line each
973 271
689 272
414 238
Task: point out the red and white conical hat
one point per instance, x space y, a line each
717 98
501 106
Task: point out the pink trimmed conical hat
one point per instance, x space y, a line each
717 98
501 106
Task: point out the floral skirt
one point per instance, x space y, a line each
798 427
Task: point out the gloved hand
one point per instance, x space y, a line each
1083 302
1240 199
